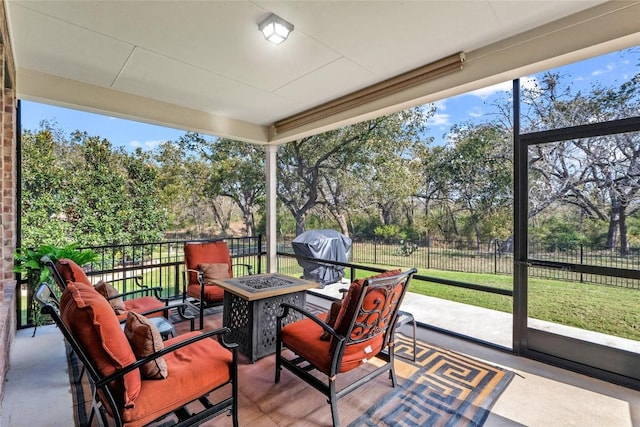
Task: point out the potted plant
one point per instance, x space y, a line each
28 262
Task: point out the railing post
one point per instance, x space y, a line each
495 256
375 251
581 260
260 254
176 291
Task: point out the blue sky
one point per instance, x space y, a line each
615 67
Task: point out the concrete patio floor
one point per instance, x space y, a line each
37 390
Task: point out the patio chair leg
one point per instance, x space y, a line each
278 364
201 316
333 400
392 376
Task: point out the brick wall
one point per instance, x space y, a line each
8 203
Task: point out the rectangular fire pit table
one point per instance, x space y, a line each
251 304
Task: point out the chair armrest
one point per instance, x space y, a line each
143 292
199 273
288 306
249 267
182 305
157 291
136 280
125 369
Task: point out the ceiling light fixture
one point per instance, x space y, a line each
275 29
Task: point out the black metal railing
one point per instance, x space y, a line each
157 264
161 264
288 264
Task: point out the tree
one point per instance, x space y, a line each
114 195
145 220
480 166
235 170
44 192
82 191
599 176
435 190
181 178
327 169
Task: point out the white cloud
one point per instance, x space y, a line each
439 119
609 68
486 92
146 145
476 112
528 82
441 105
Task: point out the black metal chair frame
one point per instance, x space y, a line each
50 305
302 368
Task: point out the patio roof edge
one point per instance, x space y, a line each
46 88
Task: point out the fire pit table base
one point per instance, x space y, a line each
250 307
253 323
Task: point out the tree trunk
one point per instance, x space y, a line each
614 226
247 218
301 223
342 221
624 243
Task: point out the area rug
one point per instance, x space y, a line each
81 389
447 389
441 388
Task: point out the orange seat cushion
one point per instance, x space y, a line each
142 304
95 326
302 338
70 271
193 370
212 293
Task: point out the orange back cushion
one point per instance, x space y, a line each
350 302
72 272
197 253
95 326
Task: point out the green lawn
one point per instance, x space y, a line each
607 309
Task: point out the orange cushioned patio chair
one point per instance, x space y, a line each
139 300
205 262
136 378
358 328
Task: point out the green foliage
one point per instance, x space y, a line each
633 227
388 232
82 190
351 167
364 225
557 234
28 262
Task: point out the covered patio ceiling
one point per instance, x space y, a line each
204 66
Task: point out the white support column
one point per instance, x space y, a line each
270 175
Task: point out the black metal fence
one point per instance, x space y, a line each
494 257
